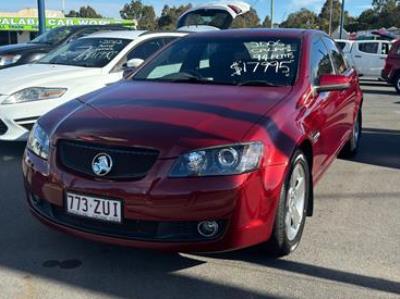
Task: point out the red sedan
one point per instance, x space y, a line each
214 144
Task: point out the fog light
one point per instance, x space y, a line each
208 229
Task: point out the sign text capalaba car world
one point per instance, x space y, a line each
31 24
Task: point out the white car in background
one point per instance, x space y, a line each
366 56
212 16
80 67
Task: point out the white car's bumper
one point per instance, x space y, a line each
16 120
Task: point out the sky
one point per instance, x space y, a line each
111 8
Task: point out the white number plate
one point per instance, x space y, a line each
93 207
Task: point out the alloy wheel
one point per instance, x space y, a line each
295 201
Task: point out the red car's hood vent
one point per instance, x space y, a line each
169 117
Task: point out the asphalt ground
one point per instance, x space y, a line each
350 247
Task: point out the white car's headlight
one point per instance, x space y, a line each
39 142
9 59
225 160
34 94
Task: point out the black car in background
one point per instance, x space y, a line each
17 54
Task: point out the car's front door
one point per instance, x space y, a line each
346 99
319 121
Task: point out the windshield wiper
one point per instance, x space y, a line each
185 77
257 83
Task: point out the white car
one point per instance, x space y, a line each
80 67
367 56
212 16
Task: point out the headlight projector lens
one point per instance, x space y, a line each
228 157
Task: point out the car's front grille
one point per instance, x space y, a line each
3 128
127 163
171 231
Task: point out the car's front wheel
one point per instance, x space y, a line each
292 209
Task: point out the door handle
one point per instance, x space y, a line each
358 56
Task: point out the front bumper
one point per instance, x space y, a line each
16 120
162 213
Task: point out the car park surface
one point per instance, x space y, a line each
226 160
350 249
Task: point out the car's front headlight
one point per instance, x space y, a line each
225 160
39 142
34 94
9 59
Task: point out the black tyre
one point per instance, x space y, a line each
397 83
352 146
292 209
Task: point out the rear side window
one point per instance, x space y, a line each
385 49
146 49
371 48
341 45
337 57
320 61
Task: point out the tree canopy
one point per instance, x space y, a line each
169 16
84 12
143 14
301 19
383 13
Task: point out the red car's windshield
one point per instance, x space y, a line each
229 61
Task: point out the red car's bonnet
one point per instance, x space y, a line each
177 117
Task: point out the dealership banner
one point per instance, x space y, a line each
32 24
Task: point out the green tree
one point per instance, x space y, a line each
84 12
324 15
301 19
267 22
247 20
143 14
380 5
169 16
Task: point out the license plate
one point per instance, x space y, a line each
93 207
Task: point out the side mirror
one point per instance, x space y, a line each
133 63
130 66
332 83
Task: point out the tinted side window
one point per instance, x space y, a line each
320 61
337 57
385 49
341 45
84 32
371 48
146 49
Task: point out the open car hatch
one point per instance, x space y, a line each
212 16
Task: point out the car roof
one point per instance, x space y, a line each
257 32
125 34
77 27
344 41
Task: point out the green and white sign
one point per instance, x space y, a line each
32 24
